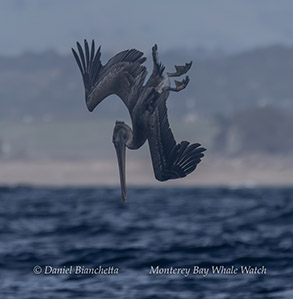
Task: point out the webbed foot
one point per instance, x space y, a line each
179 84
180 70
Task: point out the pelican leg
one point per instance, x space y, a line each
180 70
179 84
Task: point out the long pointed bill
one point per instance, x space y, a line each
120 151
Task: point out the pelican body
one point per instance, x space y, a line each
124 75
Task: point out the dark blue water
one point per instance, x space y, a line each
178 228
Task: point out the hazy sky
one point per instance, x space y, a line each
231 25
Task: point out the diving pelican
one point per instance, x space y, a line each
124 75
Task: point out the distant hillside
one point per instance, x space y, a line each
256 78
257 129
48 85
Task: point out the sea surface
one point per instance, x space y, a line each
143 249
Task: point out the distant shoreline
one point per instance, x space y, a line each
215 171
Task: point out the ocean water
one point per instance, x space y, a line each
143 249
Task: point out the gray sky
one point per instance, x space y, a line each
231 25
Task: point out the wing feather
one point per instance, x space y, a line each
115 77
170 160
92 50
81 54
87 53
77 60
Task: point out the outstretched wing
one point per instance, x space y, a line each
115 77
170 160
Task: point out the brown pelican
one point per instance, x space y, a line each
124 76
